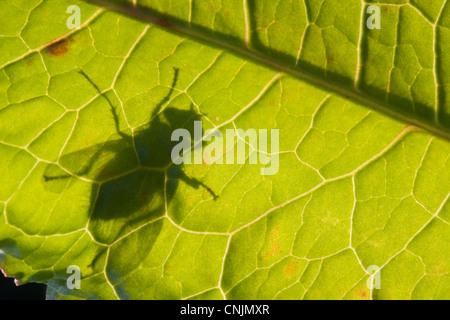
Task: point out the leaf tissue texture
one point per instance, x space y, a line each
87 180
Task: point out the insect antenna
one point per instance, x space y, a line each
113 110
158 108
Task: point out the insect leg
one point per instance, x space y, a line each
195 183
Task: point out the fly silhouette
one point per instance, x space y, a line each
138 178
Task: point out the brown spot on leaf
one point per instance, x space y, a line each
275 245
59 48
30 61
190 201
275 232
291 269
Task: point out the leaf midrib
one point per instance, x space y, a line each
172 25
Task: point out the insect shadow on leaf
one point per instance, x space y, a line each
132 170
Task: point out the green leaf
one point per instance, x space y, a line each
86 118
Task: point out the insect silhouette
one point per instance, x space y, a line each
144 179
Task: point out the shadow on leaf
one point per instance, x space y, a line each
131 170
